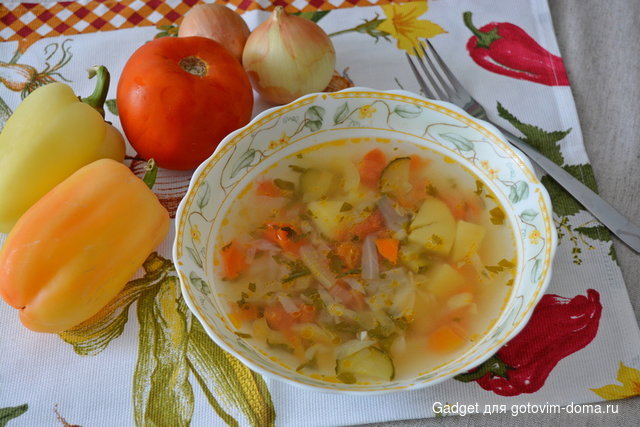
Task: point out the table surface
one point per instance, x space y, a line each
598 42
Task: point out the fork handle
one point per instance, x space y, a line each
619 224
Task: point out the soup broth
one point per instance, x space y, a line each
365 260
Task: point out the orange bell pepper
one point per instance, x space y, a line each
75 249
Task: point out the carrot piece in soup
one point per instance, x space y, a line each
284 235
234 260
371 166
417 164
474 210
456 205
418 181
444 339
388 248
242 315
268 188
371 224
350 253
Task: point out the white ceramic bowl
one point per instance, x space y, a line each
323 117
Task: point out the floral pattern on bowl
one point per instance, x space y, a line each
319 118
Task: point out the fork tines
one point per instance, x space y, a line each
444 85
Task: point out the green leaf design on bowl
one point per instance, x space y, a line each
459 141
528 215
341 113
243 162
519 192
407 111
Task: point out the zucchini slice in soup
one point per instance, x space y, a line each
394 179
368 363
315 184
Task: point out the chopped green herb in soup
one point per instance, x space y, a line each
365 260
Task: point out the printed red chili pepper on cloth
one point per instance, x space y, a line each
507 49
558 327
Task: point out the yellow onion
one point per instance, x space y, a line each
218 23
288 56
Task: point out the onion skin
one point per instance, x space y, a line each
218 23
287 57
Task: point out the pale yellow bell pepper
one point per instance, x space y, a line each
51 135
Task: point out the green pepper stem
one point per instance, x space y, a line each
484 38
493 366
99 95
151 173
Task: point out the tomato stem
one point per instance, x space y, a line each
194 65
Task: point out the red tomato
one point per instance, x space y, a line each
178 97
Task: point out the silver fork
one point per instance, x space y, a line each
446 87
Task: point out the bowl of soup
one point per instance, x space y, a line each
364 241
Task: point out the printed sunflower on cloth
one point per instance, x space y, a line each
145 360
